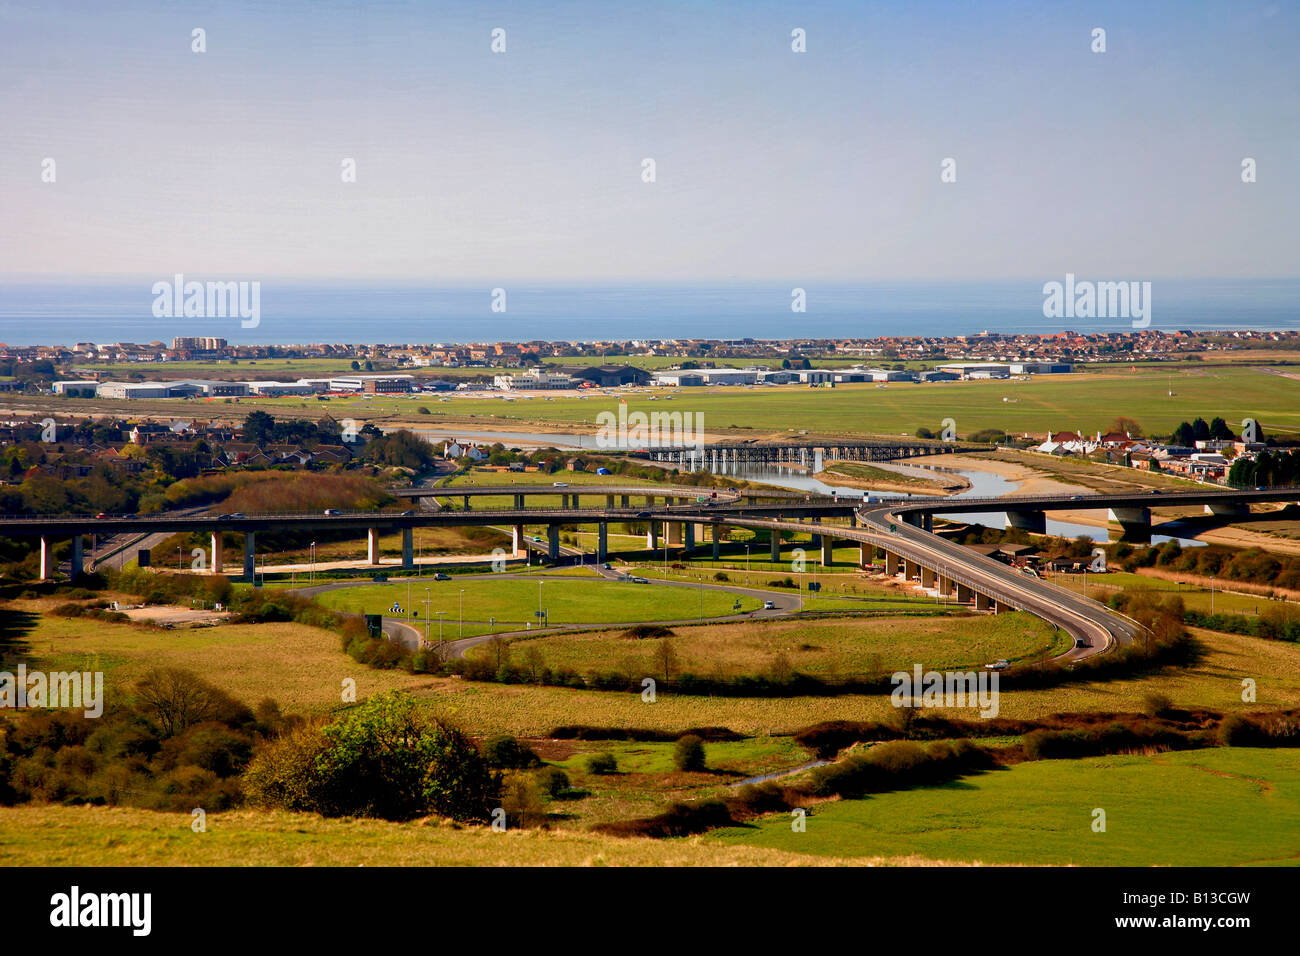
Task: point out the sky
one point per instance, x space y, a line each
824 164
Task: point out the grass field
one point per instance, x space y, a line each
824 648
513 601
115 836
1088 401
1218 807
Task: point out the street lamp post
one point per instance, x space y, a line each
461 632
427 599
313 562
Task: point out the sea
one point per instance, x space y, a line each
36 312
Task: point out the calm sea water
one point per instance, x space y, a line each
339 312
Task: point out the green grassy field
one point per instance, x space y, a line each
1219 807
512 601
1087 401
825 648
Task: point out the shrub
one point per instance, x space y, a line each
384 758
553 781
688 754
643 631
507 753
1155 704
602 763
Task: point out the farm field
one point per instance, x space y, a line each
1218 807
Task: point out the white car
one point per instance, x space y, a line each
769 605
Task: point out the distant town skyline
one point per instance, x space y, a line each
528 164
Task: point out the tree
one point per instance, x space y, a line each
688 753
356 366
1219 430
176 699
259 428
1126 426
665 658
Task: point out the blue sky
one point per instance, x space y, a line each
770 164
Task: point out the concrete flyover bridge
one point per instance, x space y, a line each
678 523
1132 511
959 573
714 456
623 496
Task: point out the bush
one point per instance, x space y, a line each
383 758
688 754
1156 704
553 781
504 752
602 763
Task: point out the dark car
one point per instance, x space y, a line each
442 577
643 514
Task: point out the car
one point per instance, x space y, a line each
998 665
1082 642
1154 491
237 514
560 484
537 539
224 517
442 577
332 511
101 515
1076 497
643 514
769 605
607 566
381 578
407 514
639 580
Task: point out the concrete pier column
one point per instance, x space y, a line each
466 499
688 535
673 533
864 553
964 594
1001 607
1228 508
517 540
250 555
1035 522
78 558
626 501
981 601
891 563
218 553
553 542
519 502
602 541
652 536
775 543
48 566
609 501
717 543
649 501
408 548
927 577
945 585
372 546
911 570
1136 519
828 550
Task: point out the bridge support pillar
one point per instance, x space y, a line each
372 545
717 543
853 519
517 540
466 500
250 555
519 502
553 542
828 551
982 601
1001 607
673 533
945 585
911 570
649 501
609 501
652 536
927 577
602 542
218 553
48 565
964 594
1132 519
891 563
1227 508
774 541
1035 522
626 501
688 535
408 548
78 559
864 553
927 522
